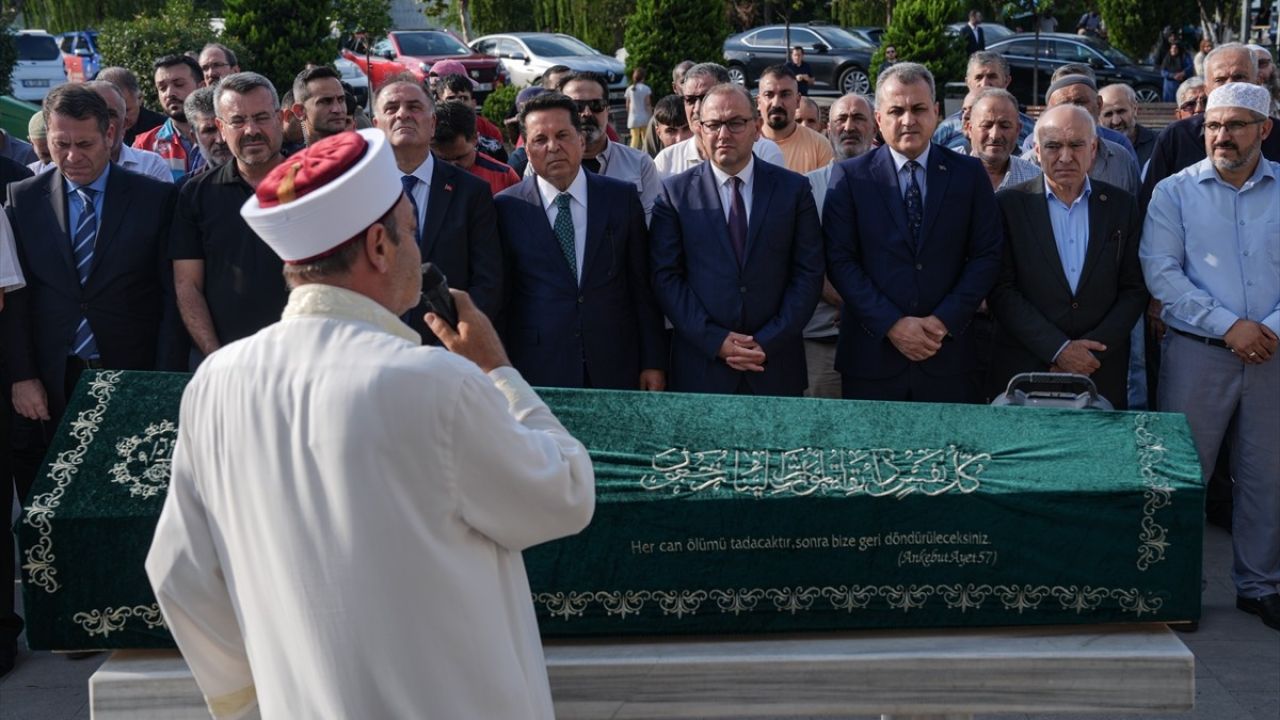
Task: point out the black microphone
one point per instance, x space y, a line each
435 292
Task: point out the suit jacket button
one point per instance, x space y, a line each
919 266
1075 306
84 307
743 289
579 299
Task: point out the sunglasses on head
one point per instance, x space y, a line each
595 106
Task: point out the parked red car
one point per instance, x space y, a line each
415 51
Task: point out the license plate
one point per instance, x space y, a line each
484 86
35 83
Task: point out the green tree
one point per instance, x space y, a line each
135 43
916 33
282 36
661 33
8 53
492 16
852 13
65 15
500 105
1134 25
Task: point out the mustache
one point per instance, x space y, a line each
850 136
1226 146
254 138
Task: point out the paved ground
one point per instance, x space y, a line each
1237 664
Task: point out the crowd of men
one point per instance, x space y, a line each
885 254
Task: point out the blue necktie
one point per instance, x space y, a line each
410 182
915 205
738 220
564 232
84 346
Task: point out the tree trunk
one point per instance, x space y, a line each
464 19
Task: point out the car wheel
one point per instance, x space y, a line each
855 80
738 75
1147 94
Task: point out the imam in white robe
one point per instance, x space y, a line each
342 533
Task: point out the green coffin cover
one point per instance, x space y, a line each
721 514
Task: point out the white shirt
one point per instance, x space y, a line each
577 210
684 155
40 166
904 174
10 270
421 191
145 162
746 175
818 181
342 532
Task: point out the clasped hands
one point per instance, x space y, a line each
1252 342
918 338
742 352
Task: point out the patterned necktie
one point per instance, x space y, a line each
564 232
915 204
84 345
738 220
410 182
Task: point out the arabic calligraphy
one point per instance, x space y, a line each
875 472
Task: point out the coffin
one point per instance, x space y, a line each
720 514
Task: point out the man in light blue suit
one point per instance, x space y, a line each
737 260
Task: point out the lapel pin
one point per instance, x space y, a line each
942 167
1103 197
448 187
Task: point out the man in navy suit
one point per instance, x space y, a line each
580 311
92 241
913 246
454 208
737 260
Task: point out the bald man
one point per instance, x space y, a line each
1120 113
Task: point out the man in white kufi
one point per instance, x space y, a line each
343 528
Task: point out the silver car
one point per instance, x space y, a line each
526 55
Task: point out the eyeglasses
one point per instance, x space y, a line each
735 126
213 66
1191 105
595 106
1232 127
692 100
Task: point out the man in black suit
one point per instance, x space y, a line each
913 247
974 38
91 239
457 229
580 312
1070 288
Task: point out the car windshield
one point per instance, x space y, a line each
1115 56
558 46
37 47
430 43
840 38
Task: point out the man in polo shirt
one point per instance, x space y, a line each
228 282
320 103
457 87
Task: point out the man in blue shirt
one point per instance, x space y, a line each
1211 255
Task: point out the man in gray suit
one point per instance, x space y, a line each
1070 286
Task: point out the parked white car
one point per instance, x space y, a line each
526 55
355 77
39 68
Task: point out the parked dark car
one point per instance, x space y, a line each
1057 49
871 33
839 59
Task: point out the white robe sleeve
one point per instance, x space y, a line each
189 584
520 477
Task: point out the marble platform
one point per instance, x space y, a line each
1113 669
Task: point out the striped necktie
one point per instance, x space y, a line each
564 232
82 243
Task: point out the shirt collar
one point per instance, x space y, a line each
1084 194
577 190
745 174
99 185
606 154
1204 171
899 160
331 301
425 170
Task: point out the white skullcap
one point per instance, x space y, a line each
320 197
1241 95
